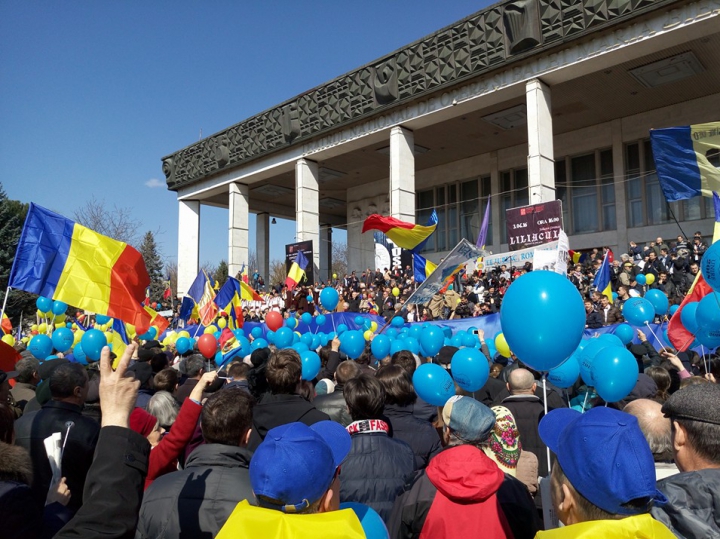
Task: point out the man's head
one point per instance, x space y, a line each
658 240
622 291
604 468
27 371
69 383
693 412
296 469
654 426
284 371
365 397
347 370
406 360
195 366
238 371
521 382
588 306
694 268
604 302
467 421
227 418
397 384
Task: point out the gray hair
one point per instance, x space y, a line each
25 368
164 407
193 365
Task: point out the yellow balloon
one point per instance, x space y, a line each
34 327
25 340
396 291
373 326
42 328
334 275
109 336
130 330
8 339
48 314
650 278
368 335
74 326
40 313
184 333
501 345
209 329
59 319
78 335
222 323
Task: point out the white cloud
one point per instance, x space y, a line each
154 182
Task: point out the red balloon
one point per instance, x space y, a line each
154 304
273 320
207 344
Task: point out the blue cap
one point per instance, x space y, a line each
604 455
295 464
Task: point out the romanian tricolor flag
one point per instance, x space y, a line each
198 302
404 235
6 324
602 279
577 257
422 268
297 271
680 337
60 259
231 295
681 159
157 321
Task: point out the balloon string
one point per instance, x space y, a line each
546 411
702 349
585 401
656 337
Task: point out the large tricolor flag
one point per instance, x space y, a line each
198 302
682 160
679 336
231 295
405 235
422 268
602 279
297 271
60 259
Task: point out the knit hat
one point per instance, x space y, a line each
503 447
324 387
142 422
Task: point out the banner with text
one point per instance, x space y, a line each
553 260
528 226
451 265
390 256
516 258
291 251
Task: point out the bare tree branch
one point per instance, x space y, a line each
117 223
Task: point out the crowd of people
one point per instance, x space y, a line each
170 445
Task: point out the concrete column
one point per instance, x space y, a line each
188 244
325 253
307 212
541 168
402 174
262 245
618 151
498 219
238 227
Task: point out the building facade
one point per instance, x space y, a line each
522 102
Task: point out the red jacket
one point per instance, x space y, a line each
163 458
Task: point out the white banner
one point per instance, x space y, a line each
445 271
516 258
555 259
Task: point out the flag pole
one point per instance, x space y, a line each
7 293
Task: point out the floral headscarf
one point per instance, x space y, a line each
503 447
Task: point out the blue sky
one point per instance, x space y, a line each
93 94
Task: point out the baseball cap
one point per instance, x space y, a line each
9 375
445 355
697 403
470 420
295 464
604 455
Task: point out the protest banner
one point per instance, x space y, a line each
528 226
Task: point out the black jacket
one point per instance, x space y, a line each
114 488
196 501
334 405
420 435
32 428
275 410
375 471
528 410
693 501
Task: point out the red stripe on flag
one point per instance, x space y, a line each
679 336
384 224
128 281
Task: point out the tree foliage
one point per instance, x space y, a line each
116 222
339 260
278 272
153 263
221 273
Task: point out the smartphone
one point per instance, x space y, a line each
475 331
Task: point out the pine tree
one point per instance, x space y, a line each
153 263
221 273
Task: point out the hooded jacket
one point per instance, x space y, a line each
463 491
275 410
420 435
634 527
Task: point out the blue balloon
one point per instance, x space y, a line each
456 340
296 337
391 332
58 308
307 338
149 335
688 317
615 372
710 266
68 325
469 369
415 331
342 328
283 337
320 319
238 333
270 336
396 346
79 354
352 343
708 337
398 322
44 304
310 365
102 319
63 339
218 357
625 333
614 296
380 346
673 309
529 317
707 313
216 335
300 347
448 332
359 320
159 306
291 322
245 346
611 340
315 342
309 298
641 279
586 358
182 345
193 342
411 344
93 342
256 332
259 343
433 384
638 311
659 301
431 340
306 318
469 340
371 522
565 375
40 346
329 298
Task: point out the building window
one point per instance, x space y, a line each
513 193
585 185
646 202
459 208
